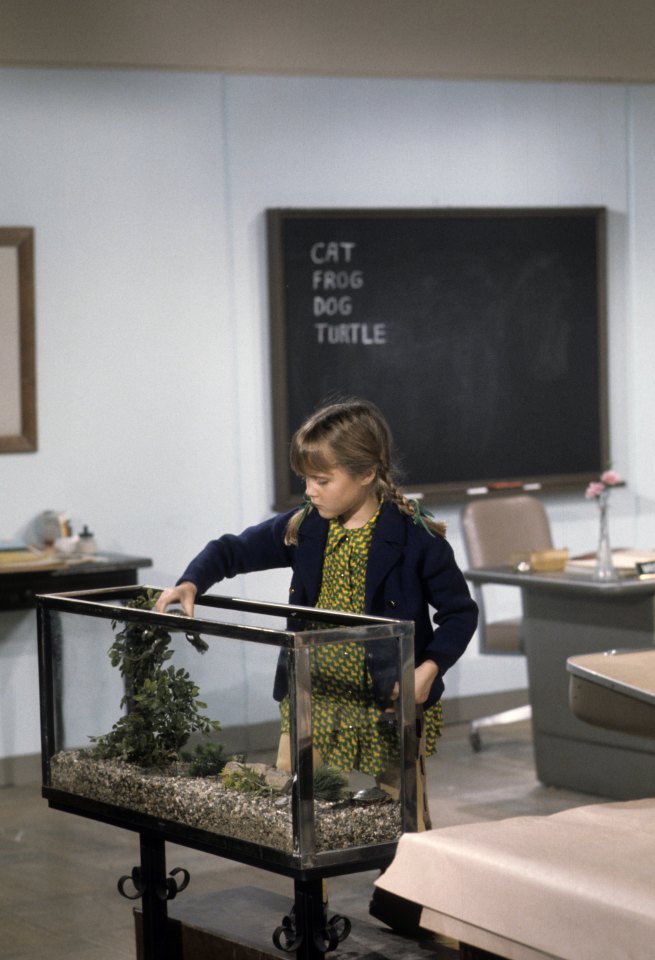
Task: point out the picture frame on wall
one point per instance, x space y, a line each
18 421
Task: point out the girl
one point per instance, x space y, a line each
357 545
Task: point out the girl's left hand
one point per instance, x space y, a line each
424 676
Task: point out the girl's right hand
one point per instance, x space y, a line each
184 594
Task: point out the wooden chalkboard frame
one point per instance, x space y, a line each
287 349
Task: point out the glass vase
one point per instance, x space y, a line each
604 569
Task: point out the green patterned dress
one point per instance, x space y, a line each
345 716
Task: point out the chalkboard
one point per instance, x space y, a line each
480 333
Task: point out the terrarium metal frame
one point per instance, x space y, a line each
311 934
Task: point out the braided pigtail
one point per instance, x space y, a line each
295 521
411 508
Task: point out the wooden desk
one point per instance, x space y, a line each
19 588
565 615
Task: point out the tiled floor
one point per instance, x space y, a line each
58 872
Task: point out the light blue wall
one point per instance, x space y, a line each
147 192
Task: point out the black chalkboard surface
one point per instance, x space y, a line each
480 333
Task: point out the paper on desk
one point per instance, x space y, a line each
625 561
13 545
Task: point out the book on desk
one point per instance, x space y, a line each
23 558
16 559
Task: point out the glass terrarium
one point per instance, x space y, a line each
280 736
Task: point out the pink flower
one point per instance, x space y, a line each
600 488
610 478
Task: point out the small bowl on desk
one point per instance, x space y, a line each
540 561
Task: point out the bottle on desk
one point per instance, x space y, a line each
87 544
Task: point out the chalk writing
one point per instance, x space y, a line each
325 303
368 334
337 279
332 251
333 306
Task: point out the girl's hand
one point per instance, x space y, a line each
424 677
184 594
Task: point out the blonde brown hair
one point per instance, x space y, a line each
353 435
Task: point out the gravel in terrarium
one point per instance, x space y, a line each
206 804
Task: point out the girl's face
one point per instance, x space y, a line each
337 493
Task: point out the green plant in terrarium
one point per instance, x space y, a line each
245 780
162 703
330 783
206 760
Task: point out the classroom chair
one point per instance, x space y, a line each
494 529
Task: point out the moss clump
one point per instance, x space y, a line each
207 760
244 779
330 783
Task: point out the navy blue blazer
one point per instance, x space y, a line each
408 572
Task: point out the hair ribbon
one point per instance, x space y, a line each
305 510
418 517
